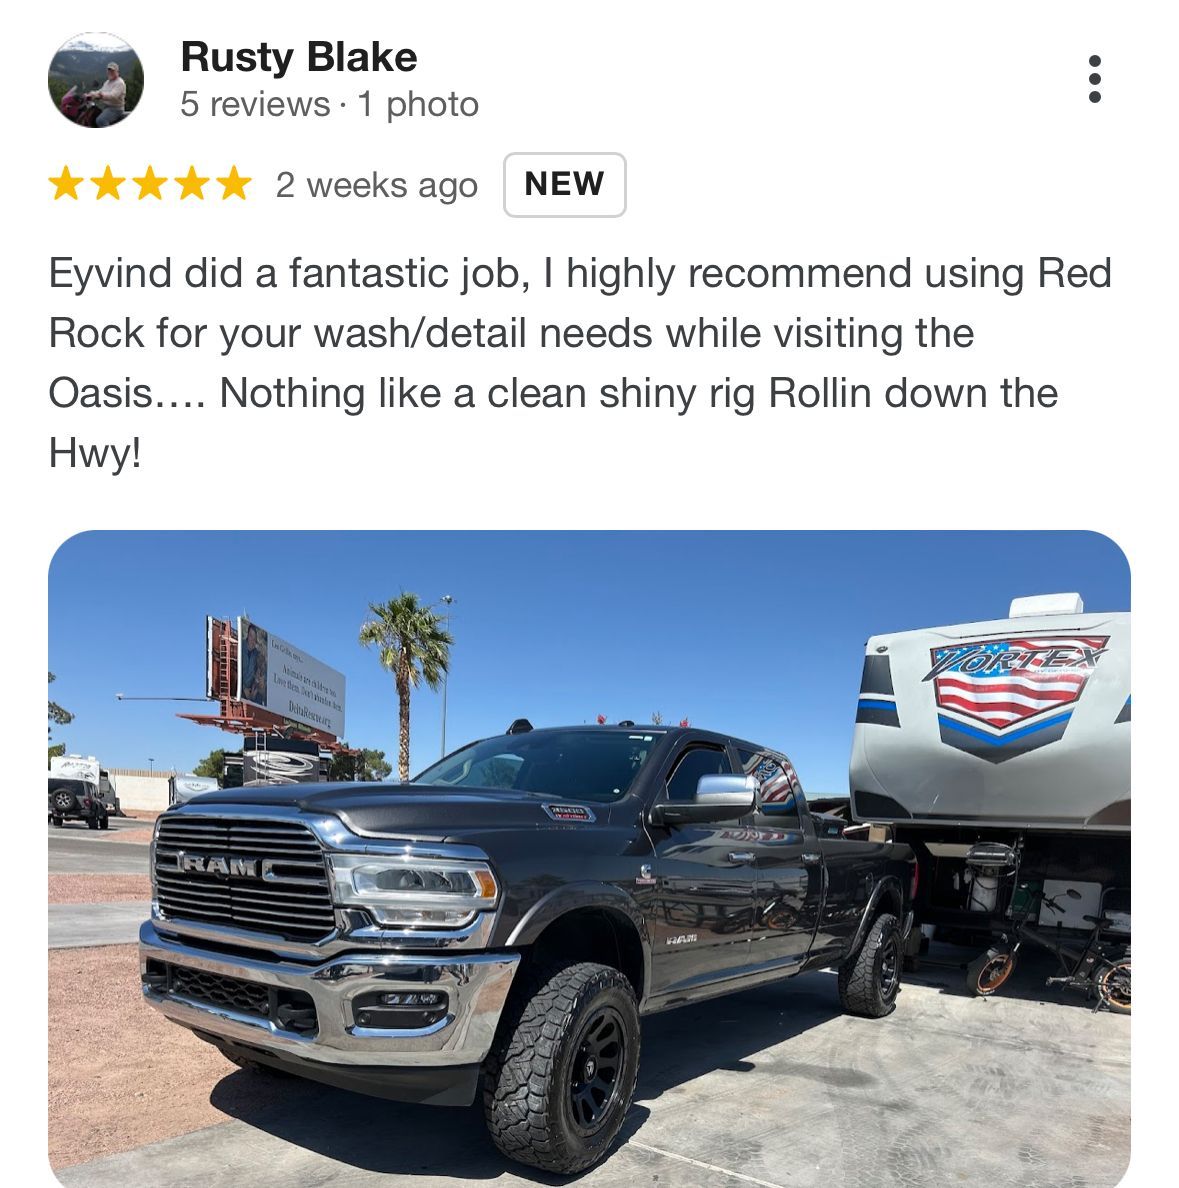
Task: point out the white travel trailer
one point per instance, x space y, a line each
182 788
87 769
1013 731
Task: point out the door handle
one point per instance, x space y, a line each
744 857
811 859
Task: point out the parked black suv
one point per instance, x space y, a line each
76 800
508 917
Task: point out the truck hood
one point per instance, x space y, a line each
419 811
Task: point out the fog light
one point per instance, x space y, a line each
400 1010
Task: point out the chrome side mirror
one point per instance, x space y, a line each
717 798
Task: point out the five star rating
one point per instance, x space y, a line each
151 185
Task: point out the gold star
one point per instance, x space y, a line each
234 184
150 183
66 184
108 184
191 184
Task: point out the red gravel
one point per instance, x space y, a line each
130 1077
98 888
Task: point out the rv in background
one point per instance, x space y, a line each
87 769
182 788
275 761
1013 731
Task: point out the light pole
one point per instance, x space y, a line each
151 766
447 601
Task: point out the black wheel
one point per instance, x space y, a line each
1113 985
57 821
104 822
562 1070
870 979
988 971
63 800
91 822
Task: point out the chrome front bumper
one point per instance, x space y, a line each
476 984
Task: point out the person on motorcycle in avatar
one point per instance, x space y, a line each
111 97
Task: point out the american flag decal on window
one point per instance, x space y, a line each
998 699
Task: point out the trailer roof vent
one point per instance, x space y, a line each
1046 604
520 726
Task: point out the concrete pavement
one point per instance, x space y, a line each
81 925
771 1087
86 851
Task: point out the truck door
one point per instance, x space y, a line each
705 884
790 878
853 866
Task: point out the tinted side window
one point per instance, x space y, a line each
697 762
777 786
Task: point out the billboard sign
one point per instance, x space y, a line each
276 676
211 627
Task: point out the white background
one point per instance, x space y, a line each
851 132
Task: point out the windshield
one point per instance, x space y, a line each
564 764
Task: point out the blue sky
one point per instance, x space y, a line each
761 634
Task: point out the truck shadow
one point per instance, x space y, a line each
396 1139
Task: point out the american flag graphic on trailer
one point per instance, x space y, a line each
1000 698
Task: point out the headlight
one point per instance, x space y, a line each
408 892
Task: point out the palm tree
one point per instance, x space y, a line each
414 647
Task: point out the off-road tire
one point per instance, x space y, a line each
58 822
529 1076
92 823
863 990
104 822
64 801
989 971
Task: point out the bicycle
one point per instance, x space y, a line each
1086 966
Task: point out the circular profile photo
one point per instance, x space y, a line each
95 80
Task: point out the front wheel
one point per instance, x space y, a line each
1113 985
562 1071
869 981
987 972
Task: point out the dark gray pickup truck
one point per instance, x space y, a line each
508 917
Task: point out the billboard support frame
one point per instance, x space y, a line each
235 716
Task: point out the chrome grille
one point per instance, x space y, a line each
293 900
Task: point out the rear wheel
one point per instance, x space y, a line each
1113 984
57 821
104 822
91 822
869 981
987 972
561 1074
